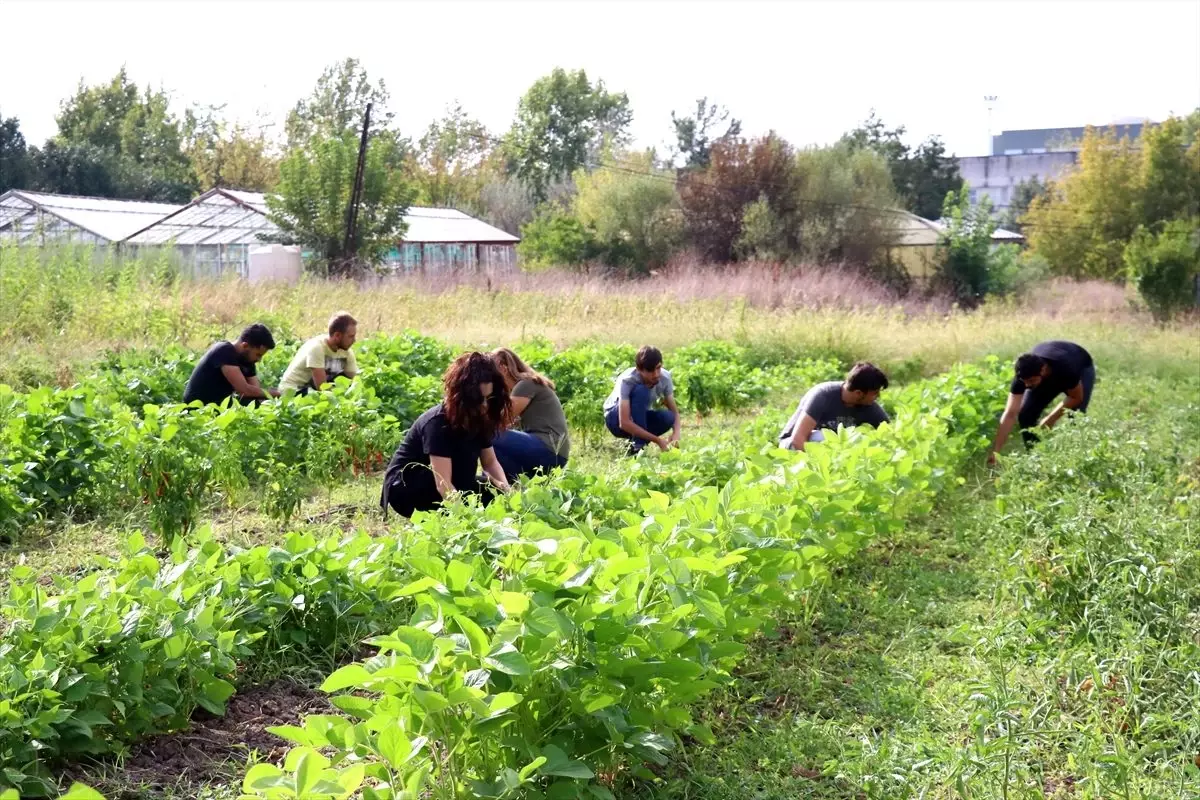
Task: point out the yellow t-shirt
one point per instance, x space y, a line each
317 353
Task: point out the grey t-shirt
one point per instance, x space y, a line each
544 417
824 403
630 379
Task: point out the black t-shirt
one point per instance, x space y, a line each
431 435
207 384
1067 362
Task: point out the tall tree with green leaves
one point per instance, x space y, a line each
562 120
228 154
1024 193
453 162
336 105
923 175
695 134
16 163
137 131
309 204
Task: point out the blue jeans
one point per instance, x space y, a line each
656 421
521 453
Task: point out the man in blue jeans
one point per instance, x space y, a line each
629 411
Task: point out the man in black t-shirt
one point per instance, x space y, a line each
1050 369
228 369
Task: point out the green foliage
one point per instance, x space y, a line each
141 139
631 210
314 192
1083 225
923 175
965 259
695 134
336 106
453 162
1023 195
556 238
1164 267
227 154
739 172
561 121
16 165
841 189
764 235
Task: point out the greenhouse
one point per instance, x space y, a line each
35 218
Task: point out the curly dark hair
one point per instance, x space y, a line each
465 404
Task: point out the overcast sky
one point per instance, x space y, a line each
810 70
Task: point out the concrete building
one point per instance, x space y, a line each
1018 156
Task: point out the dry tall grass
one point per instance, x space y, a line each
64 316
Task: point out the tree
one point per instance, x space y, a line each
923 176
1170 174
140 137
337 104
1164 266
764 234
315 184
16 164
740 172
80 169
453 162
1082 224
965 247
694 135
228 154
561 120
631 210
841 190
1024 193
556 238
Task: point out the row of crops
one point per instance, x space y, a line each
547 646
119 439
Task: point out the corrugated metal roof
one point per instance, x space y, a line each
110 219
225 209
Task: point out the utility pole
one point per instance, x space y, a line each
348 247
990 99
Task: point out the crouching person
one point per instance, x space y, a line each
854 401
448 443
538 440
629 411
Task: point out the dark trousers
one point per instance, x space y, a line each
656 421
1036 401
414 489
521 453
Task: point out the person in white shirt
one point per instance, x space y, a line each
322 359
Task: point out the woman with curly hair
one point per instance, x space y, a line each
542 442
443 448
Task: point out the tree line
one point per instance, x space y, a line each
565 177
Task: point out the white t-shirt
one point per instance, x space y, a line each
317 353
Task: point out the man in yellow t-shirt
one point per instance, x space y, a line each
323 358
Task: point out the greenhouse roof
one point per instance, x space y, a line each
108 219
226 216
219 216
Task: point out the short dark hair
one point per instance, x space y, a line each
1029 365
258 335
648 358
866 377
340 321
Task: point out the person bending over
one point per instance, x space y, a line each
541 442
854 401
227 369
442 450
1050 369
629 411
323 358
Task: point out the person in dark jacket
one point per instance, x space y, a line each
444 447
1050 369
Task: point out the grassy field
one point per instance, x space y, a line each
1036 636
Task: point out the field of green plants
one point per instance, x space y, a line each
723 620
